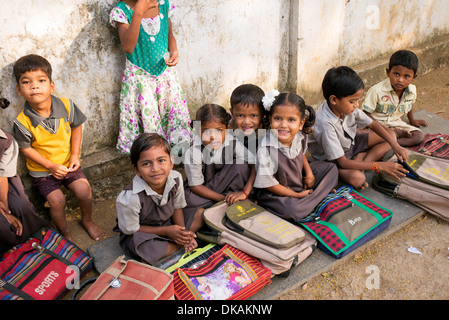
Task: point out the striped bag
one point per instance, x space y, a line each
42 269
345 220
434 145
229 274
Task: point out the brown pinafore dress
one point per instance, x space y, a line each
150 247
290 174
224 177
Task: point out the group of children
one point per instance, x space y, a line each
257 150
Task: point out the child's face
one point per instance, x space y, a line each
154 166
345 105
35 87
246 118
287 120
213 134
400 78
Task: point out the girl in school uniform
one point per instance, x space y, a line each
286 183
149 209
18 219
216 164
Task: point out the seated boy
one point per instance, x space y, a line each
393 97
49 134
337 137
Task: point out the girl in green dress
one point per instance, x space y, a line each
151 98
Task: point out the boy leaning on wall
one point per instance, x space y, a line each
49 134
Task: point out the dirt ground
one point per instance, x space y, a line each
402 275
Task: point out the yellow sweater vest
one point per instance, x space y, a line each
54 147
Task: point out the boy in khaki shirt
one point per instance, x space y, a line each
391 99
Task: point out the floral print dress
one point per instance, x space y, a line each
151 97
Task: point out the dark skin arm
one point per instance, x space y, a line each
4 207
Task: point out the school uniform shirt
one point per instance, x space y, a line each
267 161
333 136
51 136
8 158
129 206
385 106
197 154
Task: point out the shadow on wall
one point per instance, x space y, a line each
8 91
92 73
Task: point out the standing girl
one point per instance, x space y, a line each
149 209
216 164
151 98
287 184
18 219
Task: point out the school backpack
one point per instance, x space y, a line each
426 186
345 220
42 268
434 145
279 260
229 274
429 170
255 222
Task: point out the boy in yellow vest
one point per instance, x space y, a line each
49 134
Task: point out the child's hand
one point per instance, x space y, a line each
418 123
143 6
394 169
401 153
13 221
191 246
233 197
180 235
173 58
302 194
58 171
309 182
74 163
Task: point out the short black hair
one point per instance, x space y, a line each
145 141
31 62
247 95
341 82
250 95
213 112
405 58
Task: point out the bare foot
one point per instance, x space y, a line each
65 232
94 231
403 133
364 185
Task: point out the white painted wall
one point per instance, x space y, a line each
222 43
352 32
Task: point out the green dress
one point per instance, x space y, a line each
151 97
